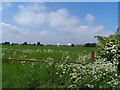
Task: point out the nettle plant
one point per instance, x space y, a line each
109 48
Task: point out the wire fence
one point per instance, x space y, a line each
92 59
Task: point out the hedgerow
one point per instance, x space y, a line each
109 47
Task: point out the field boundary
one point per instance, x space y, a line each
38 60
92 59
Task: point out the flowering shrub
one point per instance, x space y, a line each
100 74
109 47
85 74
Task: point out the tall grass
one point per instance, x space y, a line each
30 74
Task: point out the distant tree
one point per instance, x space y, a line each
72 45
29 44
6 43
90 45
14 44
41 44
25 43
34 44
38 44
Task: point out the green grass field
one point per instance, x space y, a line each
16 74
37 52
30 74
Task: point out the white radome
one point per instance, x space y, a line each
58 44
69 44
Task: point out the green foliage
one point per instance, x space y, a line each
72 45
25 43
6 43
28 74
90 45
100 74
109 47
43 53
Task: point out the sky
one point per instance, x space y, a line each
57 22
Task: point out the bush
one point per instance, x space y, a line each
109 47
100 74
72 45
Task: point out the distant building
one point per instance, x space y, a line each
69 44
58 44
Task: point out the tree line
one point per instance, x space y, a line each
23 44
39 44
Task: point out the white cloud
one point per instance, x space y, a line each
37 7
15 34
65 28
61 20
89 18
79 35
36 15
9 30
31 15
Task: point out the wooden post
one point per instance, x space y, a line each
92 56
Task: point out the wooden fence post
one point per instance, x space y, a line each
92 56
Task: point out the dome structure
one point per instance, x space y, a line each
58 44
69 44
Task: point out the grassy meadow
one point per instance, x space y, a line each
46 52
30 74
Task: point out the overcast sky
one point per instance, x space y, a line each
60 22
